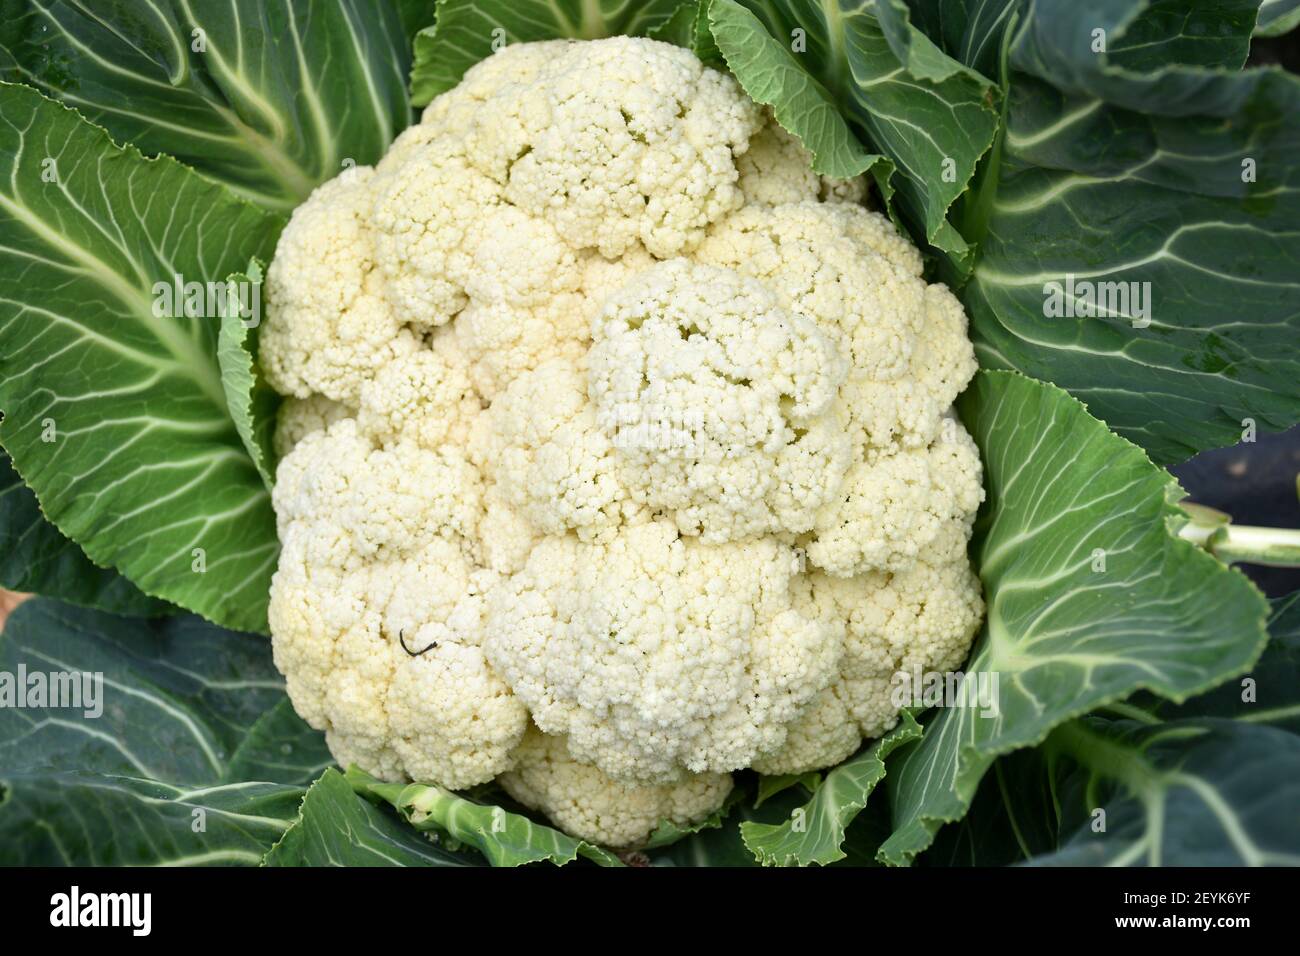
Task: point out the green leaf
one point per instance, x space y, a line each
920 56
814 833
146 471
689 27
415 16
930 116
1153 48
279 746
1014 816
1017 816
1181 181
93 819
769 787
1277 17
1270 692
35 557
970 31
1189 793
467 31
336 827
1090 597
506 839
162 774
678 29
252 403
723 846
273 100
772 75
668 833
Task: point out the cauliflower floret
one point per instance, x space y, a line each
776 169
849 270
299 417
714 397
889 510
328 327
590 805
425 397
645 154
376 609
607 416
549 459
656 654
826 734
914 621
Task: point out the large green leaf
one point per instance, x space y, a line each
931 116
114 415
970 31
814 833
279 746
1182 180
89 819
1269 694
35 557
337 827
467 31
506 839
1202 792
1014 816
1090 597
162 774
268 97
1154 33
1155 56
1018 816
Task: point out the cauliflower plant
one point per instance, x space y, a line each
618 452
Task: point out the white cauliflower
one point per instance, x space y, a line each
585 801
618 452
659 654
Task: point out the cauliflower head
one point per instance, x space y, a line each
617 452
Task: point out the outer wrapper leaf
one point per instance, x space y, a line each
1277 17
34 557
1089 596
1156 168
1038 806
194 759
689 27
1189 793
145 469
268 98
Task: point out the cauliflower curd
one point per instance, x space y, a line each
617 453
